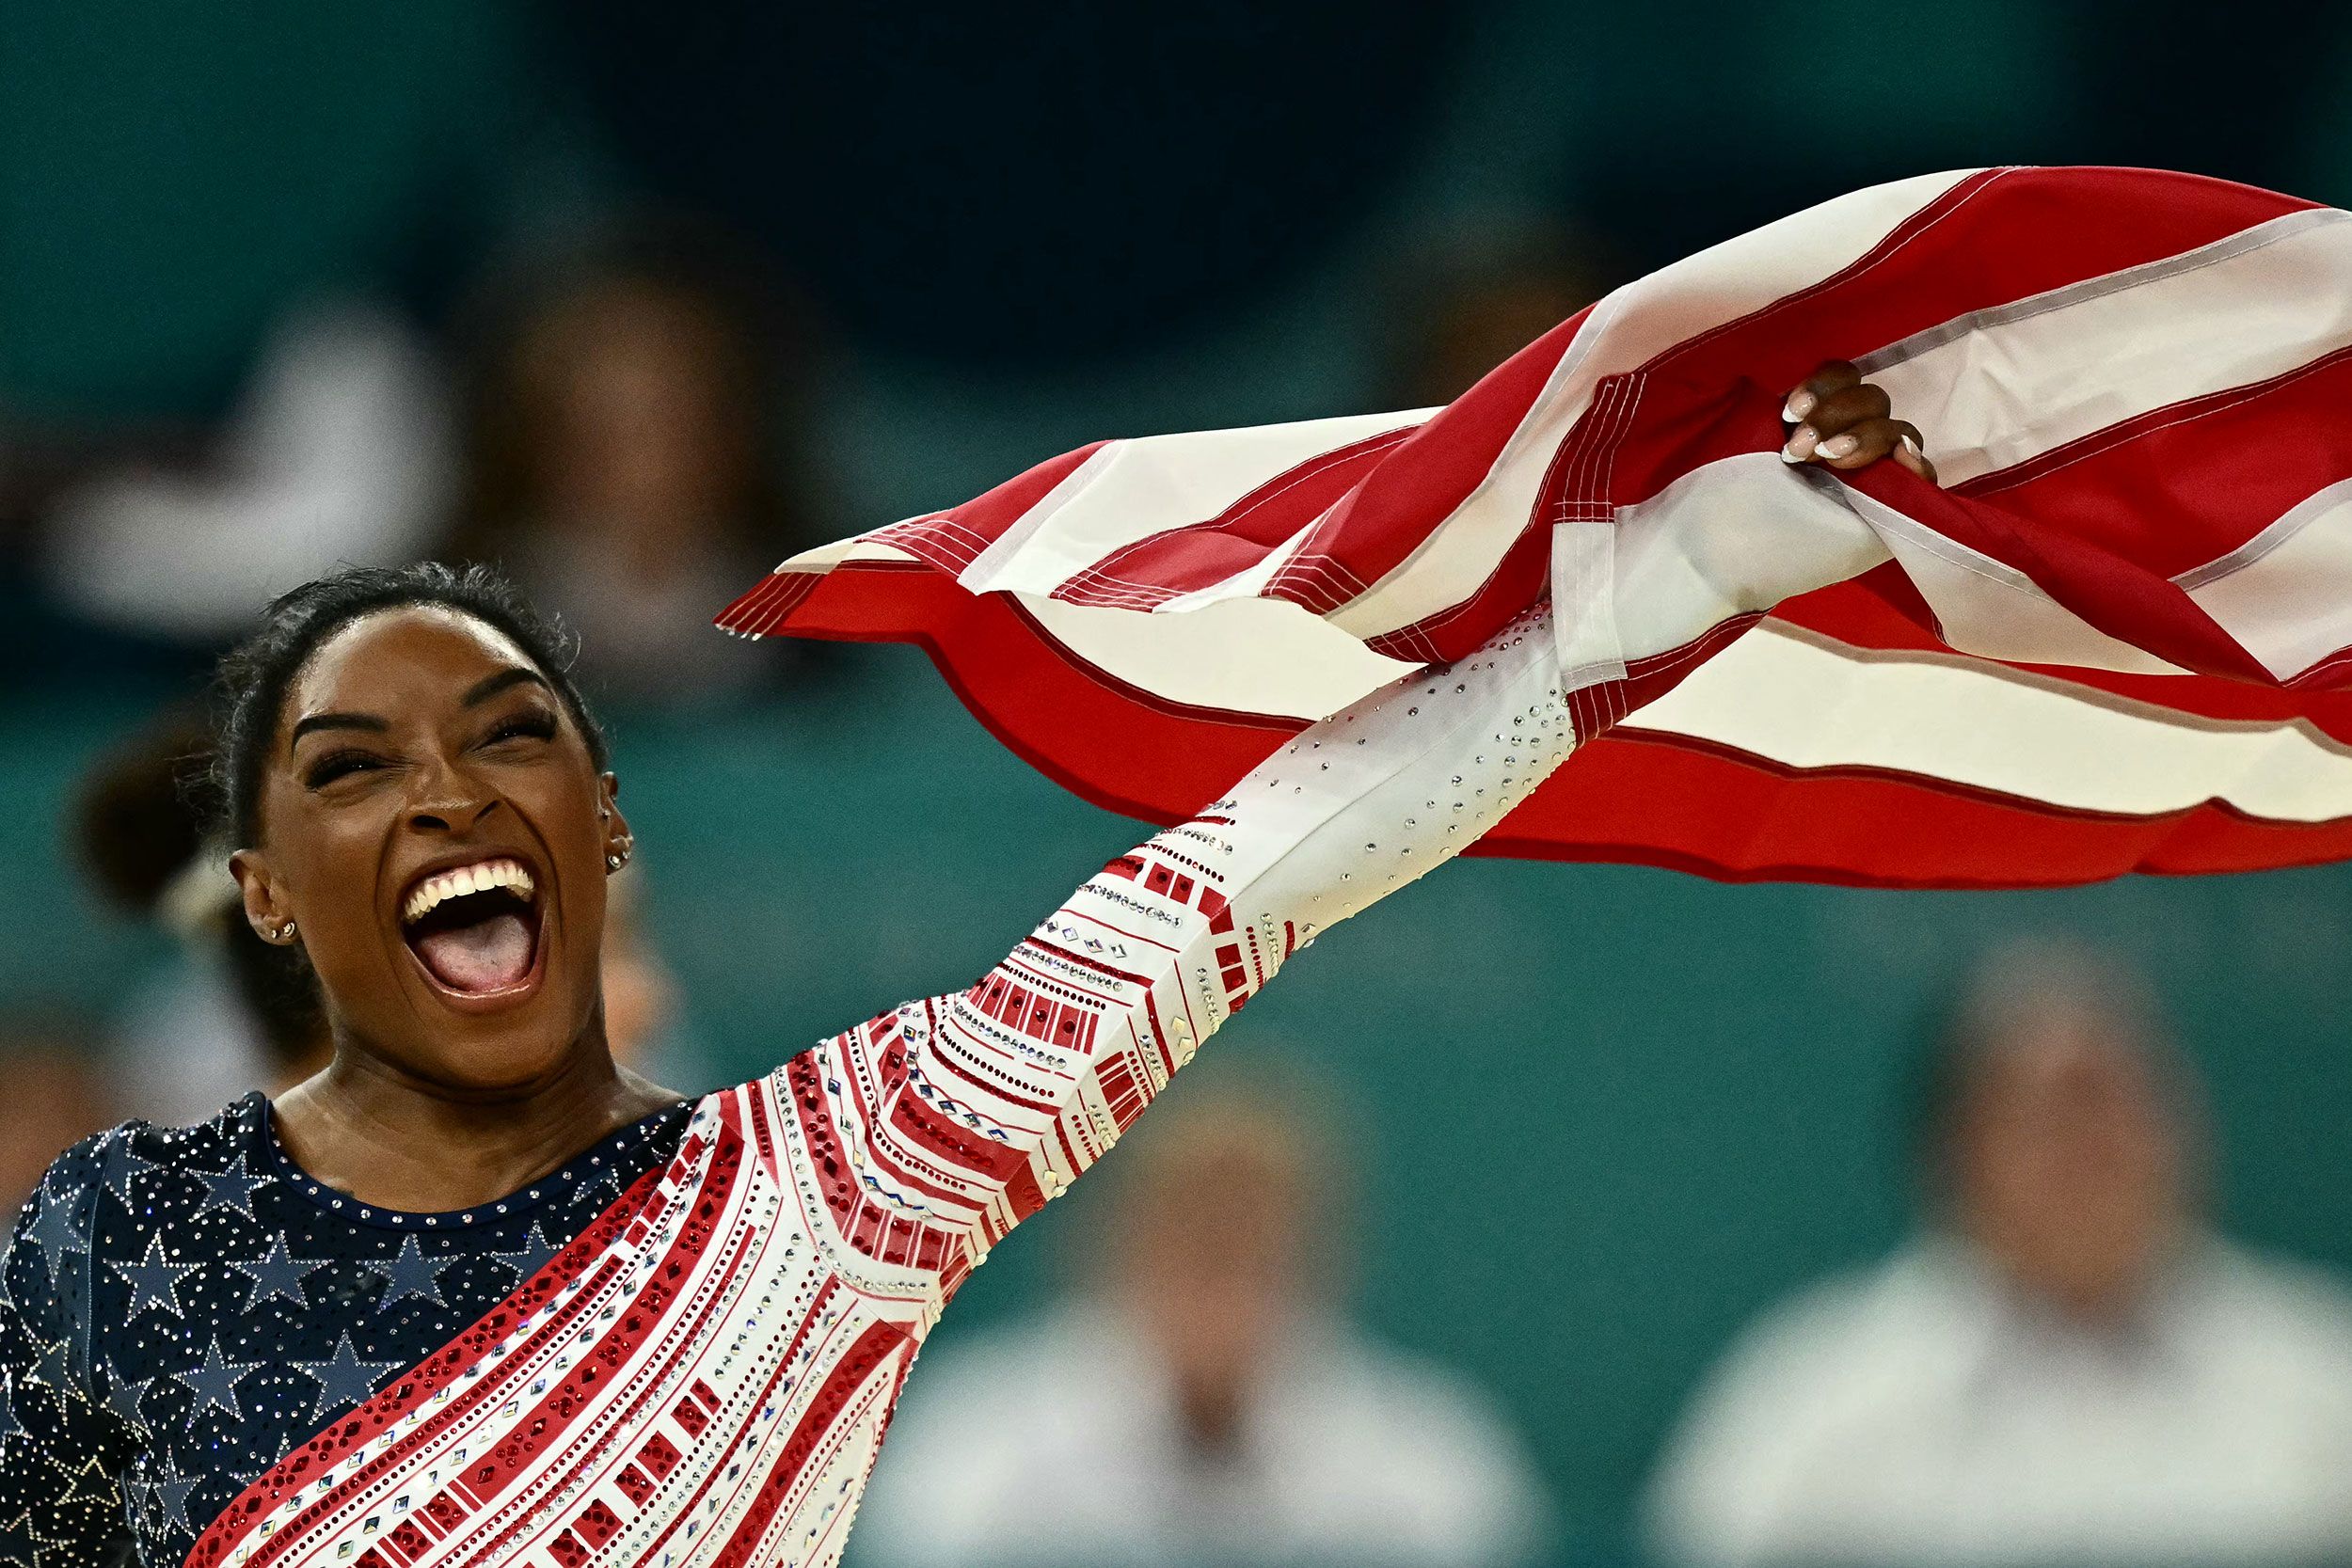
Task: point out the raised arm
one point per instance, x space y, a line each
943 1123
964 1114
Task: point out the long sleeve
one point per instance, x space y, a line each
62 1452
961 1115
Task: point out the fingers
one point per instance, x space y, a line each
1843 422
1910 451
1833 415
1863 444
1835 376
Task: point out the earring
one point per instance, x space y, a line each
615 861
285 932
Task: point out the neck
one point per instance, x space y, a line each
393 1140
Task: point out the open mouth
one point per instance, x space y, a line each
475 929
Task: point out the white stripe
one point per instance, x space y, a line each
1245 656
1627 330
1805 701
2286 593
1991 391
1132 490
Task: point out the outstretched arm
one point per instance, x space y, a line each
958 1116
965 1113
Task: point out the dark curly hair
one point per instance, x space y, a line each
251 682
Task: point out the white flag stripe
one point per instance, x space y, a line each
1240 655
1805 701
1135 488
2287 595
1998 394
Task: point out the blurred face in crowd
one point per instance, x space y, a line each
56 1097
638 430
2067 1158
640 992
1216 1250
414 743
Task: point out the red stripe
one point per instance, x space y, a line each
1149 761
658 1386
952 539
1430 474
443 1370
1182 559
2183 485
691 1508
868 1353
1652 799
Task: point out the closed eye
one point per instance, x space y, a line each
537 724
333 766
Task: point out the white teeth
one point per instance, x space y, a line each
439 888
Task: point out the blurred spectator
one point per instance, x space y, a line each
1206 1401
338 451
634 436
58 1095
2070 1365
237 1013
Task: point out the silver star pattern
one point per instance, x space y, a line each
343 1379
275 1275
61 1230
410 1272
214 1382
232 1188
155 1282
130 1362
529 1257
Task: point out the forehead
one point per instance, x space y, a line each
392 659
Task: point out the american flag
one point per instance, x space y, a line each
2117 640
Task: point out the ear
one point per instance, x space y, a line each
265 910
618 840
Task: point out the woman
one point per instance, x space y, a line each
475 1295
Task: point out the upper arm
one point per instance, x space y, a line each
964 1114
62 1453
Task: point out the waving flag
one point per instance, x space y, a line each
2118 638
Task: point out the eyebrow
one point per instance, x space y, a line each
334 722
491 686
476 694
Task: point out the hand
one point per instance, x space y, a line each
1842 422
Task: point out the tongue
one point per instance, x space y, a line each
488 954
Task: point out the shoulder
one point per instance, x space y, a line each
1838 1345
61 1214
2261 1299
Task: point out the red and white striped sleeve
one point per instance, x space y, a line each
964 1113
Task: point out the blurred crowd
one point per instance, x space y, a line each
635 310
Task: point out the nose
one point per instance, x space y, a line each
450 802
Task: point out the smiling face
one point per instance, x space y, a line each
432 822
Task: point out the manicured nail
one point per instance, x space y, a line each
1800 445
1800 403
1911 445
1838 446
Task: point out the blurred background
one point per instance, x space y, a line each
1626 1215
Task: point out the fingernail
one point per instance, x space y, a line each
1838 446
1800 403
1800 445
1911 445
